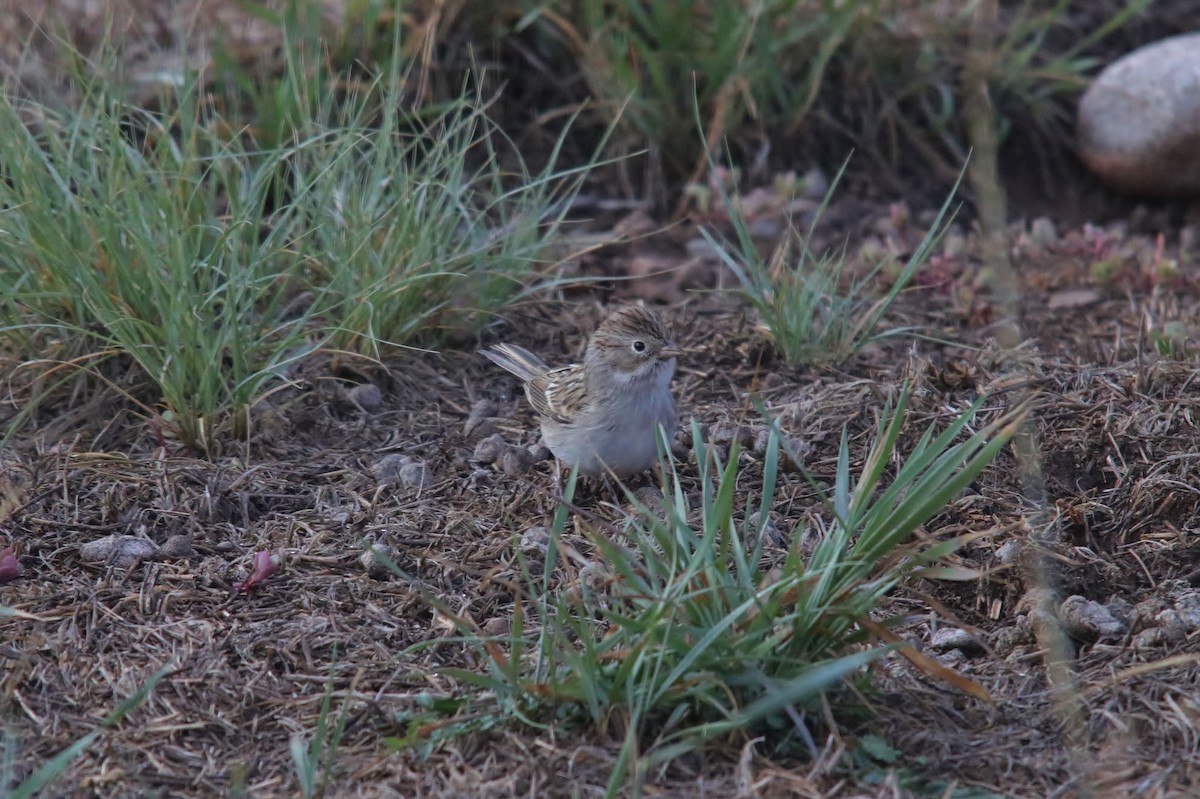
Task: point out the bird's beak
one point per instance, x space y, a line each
672 350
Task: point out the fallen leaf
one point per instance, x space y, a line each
10 567
265 564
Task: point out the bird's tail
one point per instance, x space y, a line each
518 360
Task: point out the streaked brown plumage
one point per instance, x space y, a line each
600 415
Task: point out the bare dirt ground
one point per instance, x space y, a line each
1118 439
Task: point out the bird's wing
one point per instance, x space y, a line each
559 394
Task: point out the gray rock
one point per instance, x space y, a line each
403 470
652 500
416 475
1172 627
536 540
119 550
1139 122
1152 638
1008 640
498 626
366 396
387 469
1188 608
948 638
374 561
1008 551
177 547
815 184
490 449
951 658
538 453
514 461
1042 232
1088 620
729 433
1121 610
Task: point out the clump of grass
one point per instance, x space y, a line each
1030 78
746 64
214 261
119 245
810 305
689 637
415 226
789 73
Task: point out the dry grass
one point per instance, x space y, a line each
1119 446
1118 442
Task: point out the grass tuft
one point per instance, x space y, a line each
215 262
681 632
810 305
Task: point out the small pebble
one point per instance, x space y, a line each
489 449
1172 626
955 244
729 433
536 540
791 457
814 184
513 461
1185 599
1008 639
772 536
374 565
484 429
1088 620
652 500
1008 551
119 550
1120 609
498 626
1142 615
337 516
212 570
177 547
366 396
595 576
539 453
1189 238
416 474
1042 232
951 658
1188 608
387 469
947 638
1152 638
764 227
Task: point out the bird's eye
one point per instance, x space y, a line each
639 346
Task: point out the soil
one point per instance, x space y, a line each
244 575
1113 508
